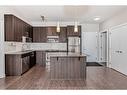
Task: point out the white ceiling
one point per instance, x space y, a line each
83 14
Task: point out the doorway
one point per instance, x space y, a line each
90 48
103 48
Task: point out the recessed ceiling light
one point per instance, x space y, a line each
97 18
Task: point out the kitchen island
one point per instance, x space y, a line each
67 66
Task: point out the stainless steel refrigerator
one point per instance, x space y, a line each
74 44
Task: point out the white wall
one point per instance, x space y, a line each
117 19
90 41
90 27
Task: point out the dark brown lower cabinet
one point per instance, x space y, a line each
41 58
32 59
13 65
17 64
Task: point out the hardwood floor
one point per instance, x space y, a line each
98 77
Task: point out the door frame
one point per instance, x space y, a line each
107 47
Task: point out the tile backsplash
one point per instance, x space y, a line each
48 46
15 46
19 46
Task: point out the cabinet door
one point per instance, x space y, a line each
17 30
43 58
39 57
31 32
54 32
20 30
39 34
32 59
27 30
36 34
70 31
51 31
63 35
43 35
9 27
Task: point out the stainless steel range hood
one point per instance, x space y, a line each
52 39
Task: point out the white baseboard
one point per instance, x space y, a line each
2 76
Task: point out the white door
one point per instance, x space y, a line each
89 45
118 47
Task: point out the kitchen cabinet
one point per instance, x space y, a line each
9 28
18 29
32 59
41 57
15 28
25 63
70 31
39 34
31 32
36 34
63 35
17 64
13 65
51 31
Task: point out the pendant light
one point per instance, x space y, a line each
58 27
43 20
76 27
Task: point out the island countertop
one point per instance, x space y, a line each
66 54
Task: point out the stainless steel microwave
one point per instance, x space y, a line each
26 39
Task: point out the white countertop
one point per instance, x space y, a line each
18 52
65 54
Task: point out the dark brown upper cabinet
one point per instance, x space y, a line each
9 28
40 34
15 28
70 31
63 35
51 31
